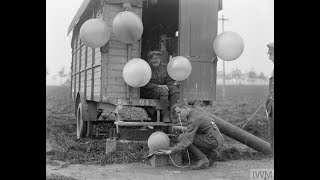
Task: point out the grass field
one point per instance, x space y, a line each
241 102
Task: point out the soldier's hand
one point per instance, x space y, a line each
176 83
164 86
163 152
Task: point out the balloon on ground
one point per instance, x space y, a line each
179 68
94 33
228 45
136 72
158 141
127 27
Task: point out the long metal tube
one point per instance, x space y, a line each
241 135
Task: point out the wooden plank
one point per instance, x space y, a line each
96 97
71 69
104 72
116 81
184 28
82 81
89 53
123 52
119 45
79 64
97 61
79 41
75 70
92 75
115 74
85 73
83 50
88 93
97 82
116 67
120 95
116 88
117 59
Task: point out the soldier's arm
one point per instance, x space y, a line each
187 137
169 80
150 85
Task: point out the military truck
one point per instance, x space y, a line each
97 85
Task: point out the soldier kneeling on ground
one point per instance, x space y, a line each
201 133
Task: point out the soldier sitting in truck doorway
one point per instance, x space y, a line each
201 133
161 86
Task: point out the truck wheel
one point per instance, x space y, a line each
81 124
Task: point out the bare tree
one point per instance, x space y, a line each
236 74
262 77
62 74
220 75
252 75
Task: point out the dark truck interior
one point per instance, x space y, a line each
161 24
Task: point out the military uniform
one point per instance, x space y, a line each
151 90
270 103
201 132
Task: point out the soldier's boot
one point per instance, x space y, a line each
202 162
164 103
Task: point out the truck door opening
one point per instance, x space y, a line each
161 24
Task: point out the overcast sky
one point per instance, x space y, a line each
252 19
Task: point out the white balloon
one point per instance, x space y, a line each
127 27
136 72
94 33
228 45
179 68
158 141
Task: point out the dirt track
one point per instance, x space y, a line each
239 169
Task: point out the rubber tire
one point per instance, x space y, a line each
81 125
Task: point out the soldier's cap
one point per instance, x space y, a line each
181 104
154 54
271 47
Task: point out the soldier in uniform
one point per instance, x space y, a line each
201 133
161 85
270 99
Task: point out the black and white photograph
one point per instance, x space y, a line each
160 89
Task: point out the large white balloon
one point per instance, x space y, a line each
228 45
127 27
94 33
179 68
158 141
136 73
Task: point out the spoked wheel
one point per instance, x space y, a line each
81 124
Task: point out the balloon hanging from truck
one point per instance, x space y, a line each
94 33
228 46
136 72
179 68
127 27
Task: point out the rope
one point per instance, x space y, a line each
252 116
187 149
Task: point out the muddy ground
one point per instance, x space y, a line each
235 169
69 159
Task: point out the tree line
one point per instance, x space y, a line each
236 76
64 77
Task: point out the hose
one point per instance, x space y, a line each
187 149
